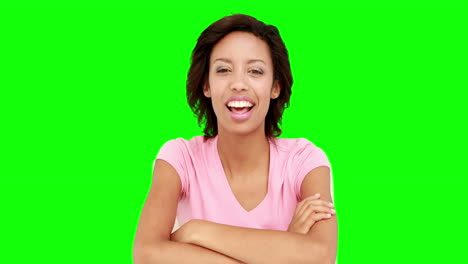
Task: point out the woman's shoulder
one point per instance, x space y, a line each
182 144
293 144
301 155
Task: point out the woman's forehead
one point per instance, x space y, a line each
241 47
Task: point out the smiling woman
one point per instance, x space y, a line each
245 79
240 193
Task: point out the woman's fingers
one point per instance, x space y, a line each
306 222
314 209
309 211
320 209
319 203
317 217
311 204
300 205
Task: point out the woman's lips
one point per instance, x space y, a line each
240 114
239 98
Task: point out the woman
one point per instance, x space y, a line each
241 195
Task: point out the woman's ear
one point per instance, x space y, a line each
275 90
206 90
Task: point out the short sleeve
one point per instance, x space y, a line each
307 157
174 152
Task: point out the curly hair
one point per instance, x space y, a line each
199 69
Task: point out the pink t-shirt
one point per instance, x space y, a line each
206 193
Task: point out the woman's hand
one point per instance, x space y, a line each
308 212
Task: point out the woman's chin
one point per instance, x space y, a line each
241 129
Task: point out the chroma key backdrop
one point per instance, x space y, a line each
91 90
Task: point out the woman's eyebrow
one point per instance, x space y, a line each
255 60
223 59
229 61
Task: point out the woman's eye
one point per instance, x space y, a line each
256 72
221 70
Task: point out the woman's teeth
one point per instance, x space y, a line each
239 104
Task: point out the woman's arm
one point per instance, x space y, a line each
325 231
152 242
269 246
174 252
251 245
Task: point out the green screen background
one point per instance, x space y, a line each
91 91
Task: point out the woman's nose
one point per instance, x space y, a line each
239 82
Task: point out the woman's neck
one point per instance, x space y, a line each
243 155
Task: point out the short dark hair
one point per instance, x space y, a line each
199 69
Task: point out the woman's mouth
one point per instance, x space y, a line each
240 110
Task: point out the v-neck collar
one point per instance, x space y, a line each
227 187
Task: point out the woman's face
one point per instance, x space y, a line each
240 83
